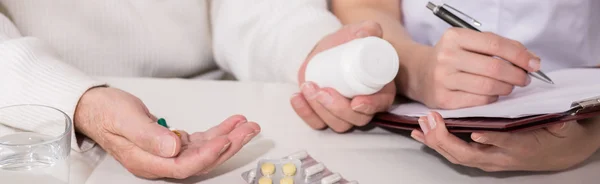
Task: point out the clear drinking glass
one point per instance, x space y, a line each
35 142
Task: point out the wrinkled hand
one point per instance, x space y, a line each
325 107
122 125
459 71
556 147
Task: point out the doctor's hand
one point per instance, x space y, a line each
325 107
460 71
122 125
554 148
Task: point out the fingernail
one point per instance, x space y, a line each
361 34
431 119
418 138
423 126
533 54
248 138
364 108
528 80
167 145
479 138
256 130
240 123
309 91
324 98
224 148
534 64
563 126
295 101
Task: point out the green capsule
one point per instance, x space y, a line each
163 122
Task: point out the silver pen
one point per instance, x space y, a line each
455 21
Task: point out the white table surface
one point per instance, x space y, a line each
369 156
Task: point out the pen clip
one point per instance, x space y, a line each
474 22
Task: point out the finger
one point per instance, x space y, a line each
477 84
418 135
565 129
494 45
147 165
149 136
499 139
488 66
204 136
152 117
185 138
451 147
195 159
225 127
378 102
306 113
519 44
238 137
425 128
339 106
460 99
310 91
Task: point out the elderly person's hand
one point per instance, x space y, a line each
556 147
123 126
325 107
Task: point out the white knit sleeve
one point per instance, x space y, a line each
267 40
32 73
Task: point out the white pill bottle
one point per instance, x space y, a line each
360 67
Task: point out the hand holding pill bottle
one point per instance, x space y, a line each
359 67
347 78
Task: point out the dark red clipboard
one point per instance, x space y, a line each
583 109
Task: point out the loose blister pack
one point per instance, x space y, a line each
297 168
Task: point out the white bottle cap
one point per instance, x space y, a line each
373 63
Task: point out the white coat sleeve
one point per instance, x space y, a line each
267 40
32 73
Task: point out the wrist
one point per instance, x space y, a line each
84 109
413 59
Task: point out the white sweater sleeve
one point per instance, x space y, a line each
267 40
32 73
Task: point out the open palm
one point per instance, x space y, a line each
122 125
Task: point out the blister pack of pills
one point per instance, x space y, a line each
297 168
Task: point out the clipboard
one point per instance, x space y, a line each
583 109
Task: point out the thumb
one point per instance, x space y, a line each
343 35
147 134
563 129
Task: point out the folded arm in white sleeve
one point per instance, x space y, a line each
267 40
32 73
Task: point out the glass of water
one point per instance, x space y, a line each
35 142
